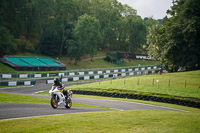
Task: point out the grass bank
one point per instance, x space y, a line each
101 63
181 85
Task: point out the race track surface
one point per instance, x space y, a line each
21 110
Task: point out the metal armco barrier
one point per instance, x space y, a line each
15 83
81 72
105 75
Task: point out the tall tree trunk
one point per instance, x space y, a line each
62 41
92 57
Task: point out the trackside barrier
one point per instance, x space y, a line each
82 72
140 97
99 76
15 83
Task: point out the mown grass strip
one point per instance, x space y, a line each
13 98
112 122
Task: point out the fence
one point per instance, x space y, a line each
82 72
88 74
156 82
101 75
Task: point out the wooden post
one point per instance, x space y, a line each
185 83
153 82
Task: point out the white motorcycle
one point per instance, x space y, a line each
58 98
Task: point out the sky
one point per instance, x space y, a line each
149 8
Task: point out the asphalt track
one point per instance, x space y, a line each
22 110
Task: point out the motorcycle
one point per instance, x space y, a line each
58 98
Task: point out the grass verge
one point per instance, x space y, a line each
182 85
145 121
13 98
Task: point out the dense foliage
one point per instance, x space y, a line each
69 27
177 41
77 27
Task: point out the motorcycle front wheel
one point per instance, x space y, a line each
54 102
68 103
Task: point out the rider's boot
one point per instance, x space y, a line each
65 94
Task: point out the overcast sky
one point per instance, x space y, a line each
149 8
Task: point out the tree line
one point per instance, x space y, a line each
74 28
69 27
177 42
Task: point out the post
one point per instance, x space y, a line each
138 81
157 82
0 78
185 83
153 82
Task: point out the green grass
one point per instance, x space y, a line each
145 121
13 98
138 121
14 86
100 63
148 85
5 69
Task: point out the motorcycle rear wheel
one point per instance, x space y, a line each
54 102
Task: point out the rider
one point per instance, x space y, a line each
59 85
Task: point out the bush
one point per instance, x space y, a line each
112 59
7 42
25 45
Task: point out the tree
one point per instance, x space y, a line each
177 41
49 43
136 33
7 42
87 34
65 16
108 14
117 27
75 50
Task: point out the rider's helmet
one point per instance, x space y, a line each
56 81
